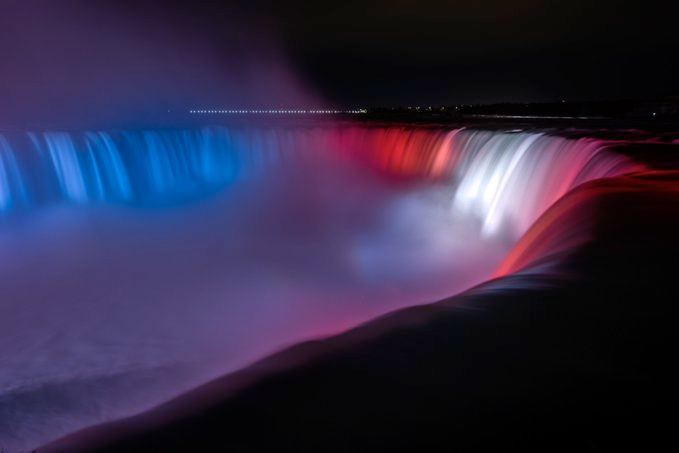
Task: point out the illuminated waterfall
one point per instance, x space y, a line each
505 179
125 167
495 174
258 239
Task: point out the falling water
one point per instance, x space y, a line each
137 264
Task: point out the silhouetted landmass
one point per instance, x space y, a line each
644 113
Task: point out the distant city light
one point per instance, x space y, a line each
277 112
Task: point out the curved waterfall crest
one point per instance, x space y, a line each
506 179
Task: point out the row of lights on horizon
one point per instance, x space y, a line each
279 112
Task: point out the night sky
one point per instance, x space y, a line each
135 57
399 52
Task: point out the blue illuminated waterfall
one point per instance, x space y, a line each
141 167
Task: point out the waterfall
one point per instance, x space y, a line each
257 239
136 167
505 179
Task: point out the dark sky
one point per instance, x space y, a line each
403 51
136 57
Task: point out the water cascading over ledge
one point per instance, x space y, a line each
169 257
492 172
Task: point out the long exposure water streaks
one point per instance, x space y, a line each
491 171
198 251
